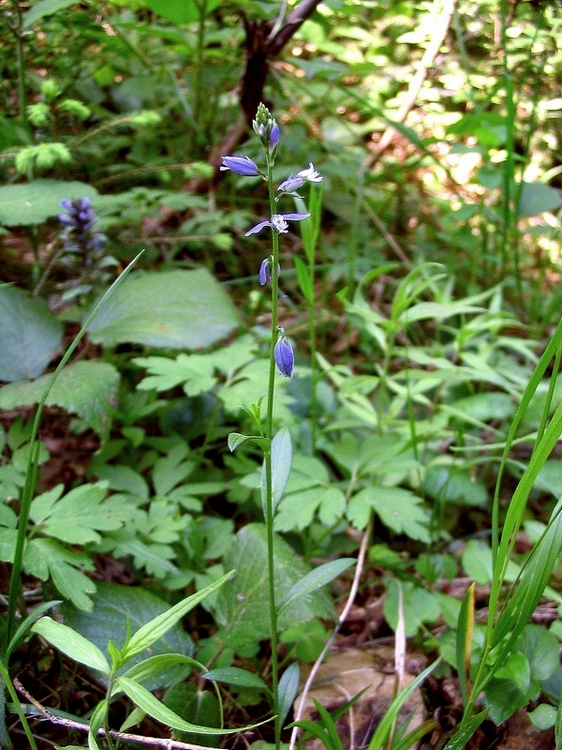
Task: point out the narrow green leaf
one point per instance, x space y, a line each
317 578
155 629
465 732
380 737
235 439
281 457
71 643
155 665
25 626
155 708
303 277
288 689
464 640
43 8
237 677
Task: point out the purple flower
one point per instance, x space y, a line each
291 184
278 223
284 355
310 174
274 136
240 165
78 234
264 274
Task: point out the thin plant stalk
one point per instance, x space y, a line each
6 679
32 464
268 462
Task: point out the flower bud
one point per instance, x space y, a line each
240 165
284 355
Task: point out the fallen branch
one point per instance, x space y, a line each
441 27
79 726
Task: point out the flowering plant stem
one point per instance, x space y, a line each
268 466
281 355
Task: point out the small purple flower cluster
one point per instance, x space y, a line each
78 234
267 130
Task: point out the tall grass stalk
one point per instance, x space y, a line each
33 461
503 629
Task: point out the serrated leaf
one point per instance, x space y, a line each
296 511
243 604
72 644
398 508
171 469
35 202
29 334
85 388
76 517
171 309
47 558
314 580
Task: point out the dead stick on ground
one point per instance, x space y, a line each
441 27
343 617
81 727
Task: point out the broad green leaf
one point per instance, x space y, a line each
197 706
314 580
72 644
171 309
180 11
281 456
243 604
237 677
541 649
35 202
44 8
418 606
29 334
399 509
158 626
536 198
153 707
114 607
86 388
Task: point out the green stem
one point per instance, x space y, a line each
32 464
268 466
5 677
